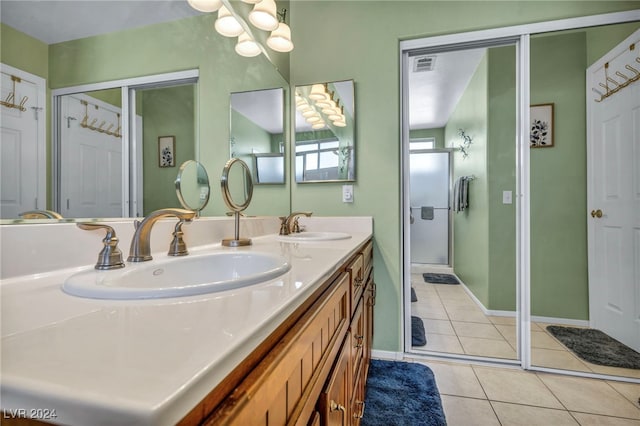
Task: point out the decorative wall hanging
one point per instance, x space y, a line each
541 126
167 151
465 144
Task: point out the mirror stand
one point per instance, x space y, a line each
242 186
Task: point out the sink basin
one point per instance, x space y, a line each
313 236
183 276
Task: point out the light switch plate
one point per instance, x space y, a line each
347 193
506 197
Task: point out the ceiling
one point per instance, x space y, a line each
434 94
41 19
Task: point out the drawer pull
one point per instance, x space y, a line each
358 282
334 406
360 340
361 415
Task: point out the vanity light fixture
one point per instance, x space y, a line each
226 24
280 38
246 46
205 5
264 15
318 92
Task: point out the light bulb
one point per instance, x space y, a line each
246 46
340 123
313 119
226 24
318 93
309 112
264 15
318 125
205 5
280 39
252 1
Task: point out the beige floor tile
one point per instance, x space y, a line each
541 339
508 333
538 326
461 411
442 343
458 303
526 415
473 329
467 315
626 372
590 396
456 379
487 347
434 326
515 386
433 313
631 391
502 320
557 359
595 420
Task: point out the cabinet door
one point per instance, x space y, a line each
357 334
369 303
334 402
357 399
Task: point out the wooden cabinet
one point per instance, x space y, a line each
312 370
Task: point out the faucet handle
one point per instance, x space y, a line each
178 247
110 257
284 229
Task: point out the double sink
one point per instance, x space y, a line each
189 275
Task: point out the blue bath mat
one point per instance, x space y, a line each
402 394
440 278
418 335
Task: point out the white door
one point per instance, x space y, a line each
90 158
614 196
22 143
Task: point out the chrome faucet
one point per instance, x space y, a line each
289 224
140 250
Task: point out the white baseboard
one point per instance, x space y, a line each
395 356
562 321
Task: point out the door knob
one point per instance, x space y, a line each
596 213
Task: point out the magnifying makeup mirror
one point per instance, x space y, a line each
237 189
192 186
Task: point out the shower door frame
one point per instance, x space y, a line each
483 38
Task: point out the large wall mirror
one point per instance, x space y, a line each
257 133
108 164
577 277
168 39
325 146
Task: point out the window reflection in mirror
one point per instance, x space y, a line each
325 132
257 137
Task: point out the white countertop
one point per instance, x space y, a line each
146 361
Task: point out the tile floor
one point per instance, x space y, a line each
481 395
455 324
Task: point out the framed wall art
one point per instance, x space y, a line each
541 127
166 151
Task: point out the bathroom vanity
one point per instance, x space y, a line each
294 349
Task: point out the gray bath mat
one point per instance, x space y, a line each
596 347
418 336
440 278
414 298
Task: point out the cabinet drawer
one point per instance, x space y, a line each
284 386
356 272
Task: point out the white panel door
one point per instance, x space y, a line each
614 200
91 160
22 143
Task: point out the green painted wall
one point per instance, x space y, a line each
167 111
24 52
437 134
501 163
248 138
471 226
366 49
